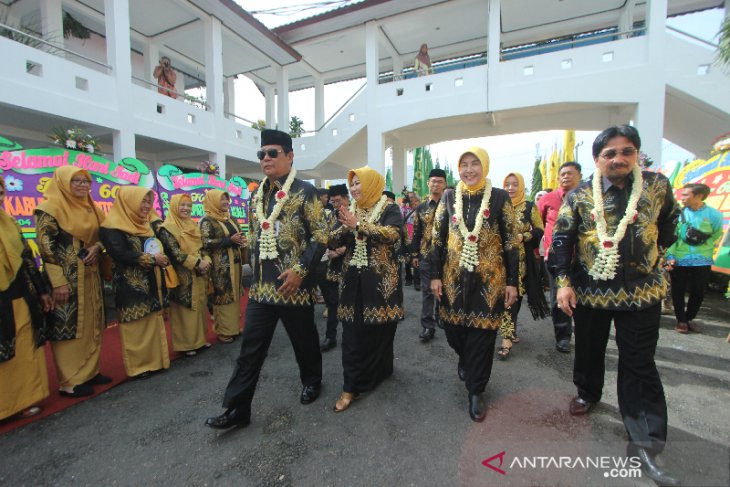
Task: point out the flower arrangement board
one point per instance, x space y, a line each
171 180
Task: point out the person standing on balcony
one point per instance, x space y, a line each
605 258
223 242
422 64
569 176
288 237
419 248
474 270
68 241
529 232
371 295
24 298
689 259
166 77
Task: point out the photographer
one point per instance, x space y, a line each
689 259
166 77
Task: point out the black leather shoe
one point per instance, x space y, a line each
462 373
309 394
579 407
229 419
477 410
652 470
427 334
98 380
327 344
563 346
81 390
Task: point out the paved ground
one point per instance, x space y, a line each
413 430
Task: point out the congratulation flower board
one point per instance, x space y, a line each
28 171
171 180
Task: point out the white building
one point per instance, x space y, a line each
501 67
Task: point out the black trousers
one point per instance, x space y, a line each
475 348
562 323
694 280
429 306
330 293
640 392
261 320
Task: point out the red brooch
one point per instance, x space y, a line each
472 238
607 244
280 194
486 213
265 225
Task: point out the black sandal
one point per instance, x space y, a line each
503 352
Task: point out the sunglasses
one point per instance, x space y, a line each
272 153
81 182
612 153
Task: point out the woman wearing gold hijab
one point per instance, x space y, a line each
23 300
529 232
371 296
181 239
138 281
68 240
222 244
474 270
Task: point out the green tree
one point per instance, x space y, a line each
259 125
389 180
536 180
723 47
418 168
296 127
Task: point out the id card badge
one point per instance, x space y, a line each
152 246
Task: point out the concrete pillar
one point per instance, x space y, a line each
270 96
230 95
626 20
52 22
118 47
650 109
220 159
214 65
376 150
399 166
494 34
282 98
318 103
151 54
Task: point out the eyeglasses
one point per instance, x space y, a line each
272 153
81 182
612 153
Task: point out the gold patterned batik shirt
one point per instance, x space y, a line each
373 295
423 229
301 238
475 299
639 282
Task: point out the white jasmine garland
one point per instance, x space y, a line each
360 255
267 238
470 250
606 262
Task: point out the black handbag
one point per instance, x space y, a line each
692 236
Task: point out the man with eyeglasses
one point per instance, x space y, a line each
569 176
605 258
288 237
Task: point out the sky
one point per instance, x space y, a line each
514 152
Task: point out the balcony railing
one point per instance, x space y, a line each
50 47
190 100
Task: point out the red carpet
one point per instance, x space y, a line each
110 365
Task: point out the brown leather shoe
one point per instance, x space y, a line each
694 327
579 407
682 327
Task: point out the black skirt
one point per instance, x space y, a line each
367 355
